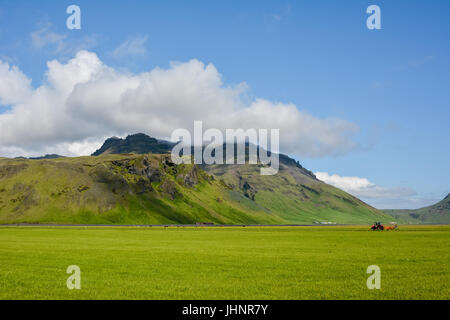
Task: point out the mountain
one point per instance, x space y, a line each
436 213
47 156
122 186
141 143
136 143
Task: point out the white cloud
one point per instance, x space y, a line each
83 101
362 187
71 149
131 47
59 43
15 87
349 184
44 36
377 196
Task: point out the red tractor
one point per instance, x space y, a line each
377 226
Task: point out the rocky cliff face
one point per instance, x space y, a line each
138 143
137 175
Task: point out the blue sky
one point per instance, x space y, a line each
394 83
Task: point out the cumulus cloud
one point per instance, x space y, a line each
379 197
83 101
131 47
15 87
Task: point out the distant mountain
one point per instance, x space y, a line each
436 213
134 181
138 143
47 156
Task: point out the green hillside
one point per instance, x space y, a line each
150 189
436 213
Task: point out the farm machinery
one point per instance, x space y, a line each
378 226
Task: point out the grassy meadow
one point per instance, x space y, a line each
224 262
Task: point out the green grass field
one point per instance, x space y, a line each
224 263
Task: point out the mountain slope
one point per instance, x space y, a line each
436 213
149 189
132 189
136 188
294 196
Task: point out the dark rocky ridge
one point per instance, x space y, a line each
138 143
141 143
